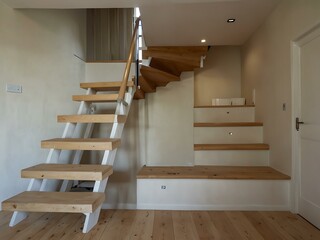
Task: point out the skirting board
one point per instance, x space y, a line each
128 206
207 194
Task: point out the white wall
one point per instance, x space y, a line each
266 67
37 48
169 124
220 77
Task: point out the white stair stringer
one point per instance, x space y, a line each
54 156
123 108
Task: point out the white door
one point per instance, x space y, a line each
309 134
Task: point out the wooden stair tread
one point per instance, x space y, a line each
81 143
224 106
105 86
85 172
212 172
188 55
256 146
156 76
171 66
92 118
73 202
146 86
228 124
96 98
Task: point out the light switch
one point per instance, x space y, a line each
13 88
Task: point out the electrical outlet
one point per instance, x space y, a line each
163 187
13 88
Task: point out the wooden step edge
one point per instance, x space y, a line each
228 124
171 77
113 86
139 94
96 98
92 118
224 106
91 144
203 147
212 172
69 202
83 172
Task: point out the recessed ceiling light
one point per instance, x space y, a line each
231 20
203 40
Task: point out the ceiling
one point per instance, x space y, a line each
180 22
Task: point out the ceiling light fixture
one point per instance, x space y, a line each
203 40
231 20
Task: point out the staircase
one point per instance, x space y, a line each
231 168
166 65
41 196
50 188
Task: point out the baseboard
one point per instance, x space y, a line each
129 206
213 207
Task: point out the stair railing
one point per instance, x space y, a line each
125 78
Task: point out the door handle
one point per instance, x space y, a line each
298 122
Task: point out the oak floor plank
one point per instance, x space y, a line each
163 226
243 226
7 232
75 231
224 226
31 230
60 228
183 226
96 232
120 226
262 226
142 226
204 226
292 228
178 225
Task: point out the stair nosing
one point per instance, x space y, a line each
213 147
68 172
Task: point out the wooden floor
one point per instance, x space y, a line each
166 225
212 172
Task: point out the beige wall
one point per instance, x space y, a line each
168 119
266 67
37 48
220 77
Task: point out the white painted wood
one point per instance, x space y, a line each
306 142
232 158
91 220
207 194
216 135
17 217
227 114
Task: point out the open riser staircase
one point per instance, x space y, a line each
51 184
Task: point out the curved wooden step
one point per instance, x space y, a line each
139 94
171 66
92 118
96 98
146 86
81 143
157 77
72 202
105 86
258 146
84 172
228 124
212 172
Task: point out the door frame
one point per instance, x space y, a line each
296 45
